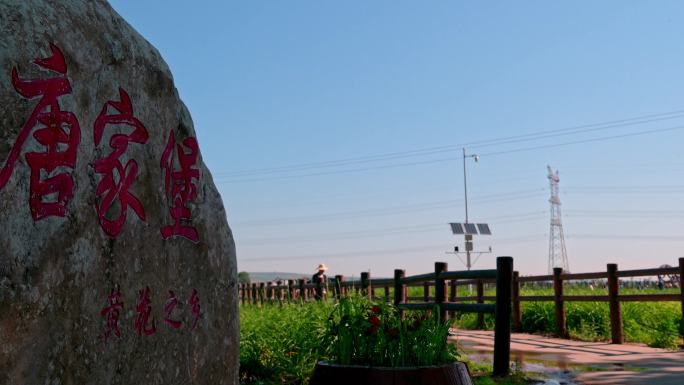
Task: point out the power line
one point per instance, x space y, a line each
639 237
626 189
677 214
343 235
382 191
438 248
442 160
593 128
631 212
366 253
499 220
600 139
517 218
523 194
441 149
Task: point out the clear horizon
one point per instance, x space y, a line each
334 131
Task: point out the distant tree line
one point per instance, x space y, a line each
243 278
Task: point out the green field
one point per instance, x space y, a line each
280 343
657 324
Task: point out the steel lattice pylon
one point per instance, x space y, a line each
558 256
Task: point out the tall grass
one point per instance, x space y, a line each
281 344
656 324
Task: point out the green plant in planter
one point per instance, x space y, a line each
361 332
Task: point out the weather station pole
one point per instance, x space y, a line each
465 185
468 237
466 228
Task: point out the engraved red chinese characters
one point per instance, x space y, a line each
179 186
117 178
111 314
194 308
58 131
144 310
170 306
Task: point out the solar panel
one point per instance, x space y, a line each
470 228
484 229
457 228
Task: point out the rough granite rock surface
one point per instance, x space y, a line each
59 273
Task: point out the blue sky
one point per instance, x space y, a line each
274 84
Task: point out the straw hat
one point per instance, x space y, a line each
322 266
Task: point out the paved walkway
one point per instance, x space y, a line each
592 363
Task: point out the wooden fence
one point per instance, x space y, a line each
395 289
502 276
614 298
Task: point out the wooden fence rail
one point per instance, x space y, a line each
437 280
613 297
502 276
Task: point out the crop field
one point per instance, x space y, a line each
280 343
657 324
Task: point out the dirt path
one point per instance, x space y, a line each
591 363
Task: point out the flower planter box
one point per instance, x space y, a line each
332 374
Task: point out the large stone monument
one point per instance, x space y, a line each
117 265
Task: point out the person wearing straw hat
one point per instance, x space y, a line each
321 278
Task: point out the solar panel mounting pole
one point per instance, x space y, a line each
468 229
468 237
465 195
465 186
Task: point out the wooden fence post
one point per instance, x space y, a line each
452 295
338 286
262 292
365 284
681 290
255 294
302 291
517 315
241 291
248 292
561 329
399 292
284 291
480 299
426 291
452 290
440 290
387 293
616 326
290 290
502 326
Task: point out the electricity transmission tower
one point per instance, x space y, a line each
558 256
